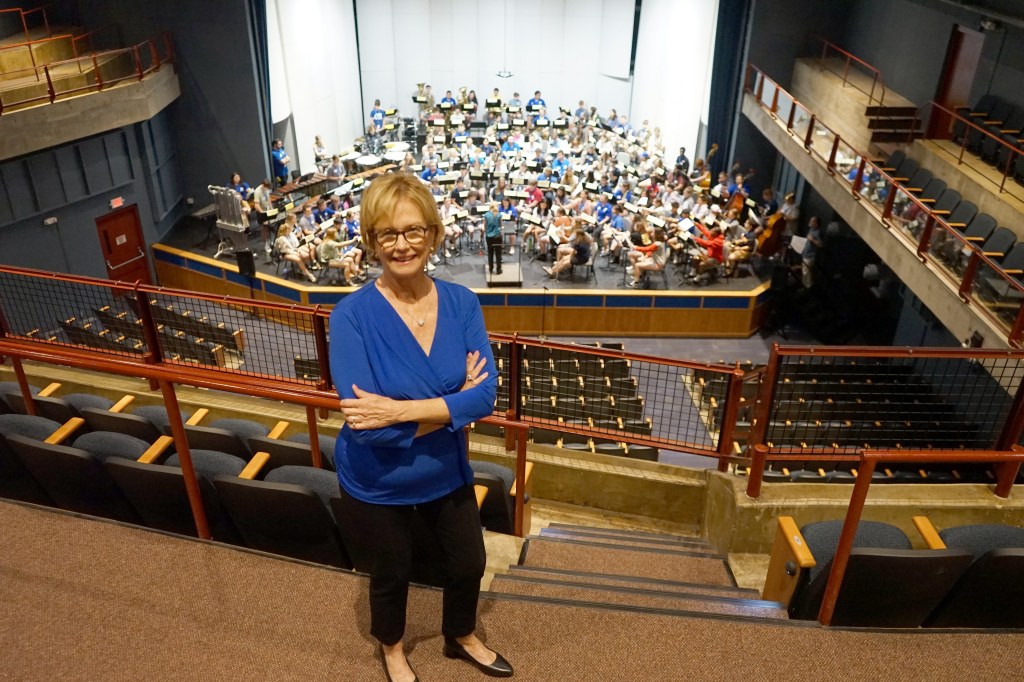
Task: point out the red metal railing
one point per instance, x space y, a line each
22 290
31 45
879 190
102 69
829 50
1010 429
24 15
1008 461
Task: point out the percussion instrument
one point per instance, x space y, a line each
349 161
395 156
367 162
397 146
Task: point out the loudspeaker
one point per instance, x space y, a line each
246 263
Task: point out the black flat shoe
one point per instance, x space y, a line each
387 673
500 667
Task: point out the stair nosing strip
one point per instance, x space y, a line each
570 535
623 578
739 601
654 550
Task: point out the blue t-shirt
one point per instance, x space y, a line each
377 116
428 174
280 170
242 188
604 210
375 350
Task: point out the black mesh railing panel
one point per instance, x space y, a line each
237 337
96 316
620 399
502 358
905 402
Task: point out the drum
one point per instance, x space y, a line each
367 162
349 161
397 146
395 156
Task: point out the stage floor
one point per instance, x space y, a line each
470 269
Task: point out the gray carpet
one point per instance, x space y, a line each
87 600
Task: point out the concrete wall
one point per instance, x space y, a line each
216 122
907 41
74 183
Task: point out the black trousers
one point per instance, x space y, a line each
385 534
494 245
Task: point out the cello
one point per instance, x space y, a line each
770 239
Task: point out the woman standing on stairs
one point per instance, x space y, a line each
415 367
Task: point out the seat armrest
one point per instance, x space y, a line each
940 212
481 493
121 404
156 451
789 558
1013 271
526 480
199 416
957 224
975 239
66 429
994 254
252 469
278 430
928 533
49 390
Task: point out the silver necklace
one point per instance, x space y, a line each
407 310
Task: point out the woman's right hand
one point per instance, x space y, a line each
474 370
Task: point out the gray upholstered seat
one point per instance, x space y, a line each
158 415
243 428
81 400
29 426
984 537
323 483
209 463
327 445
823 537
104 444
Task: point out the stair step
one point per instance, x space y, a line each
891 123
643 599
876 110
626 541
644 563
691 539
635 582
895 136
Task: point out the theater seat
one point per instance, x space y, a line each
73 478
15 481
886 584
157 493
990 593
105 444
327 446
301 525
497 514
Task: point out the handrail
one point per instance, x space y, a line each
1009 463
876 79
1013 151
754 84
88 36
138 72
312 320
29 43
24 22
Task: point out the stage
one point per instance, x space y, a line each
601 304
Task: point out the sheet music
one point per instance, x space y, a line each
798 243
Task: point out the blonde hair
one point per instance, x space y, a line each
384 194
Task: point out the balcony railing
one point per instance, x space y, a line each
93 73
831 51
994 293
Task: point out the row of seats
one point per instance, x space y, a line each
37 467
980 230
1003 121
969 576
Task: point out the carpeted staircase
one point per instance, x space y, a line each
619 569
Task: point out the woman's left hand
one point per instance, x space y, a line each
369 410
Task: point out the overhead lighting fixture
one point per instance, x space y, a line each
504 74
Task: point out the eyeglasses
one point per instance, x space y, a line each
414 236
